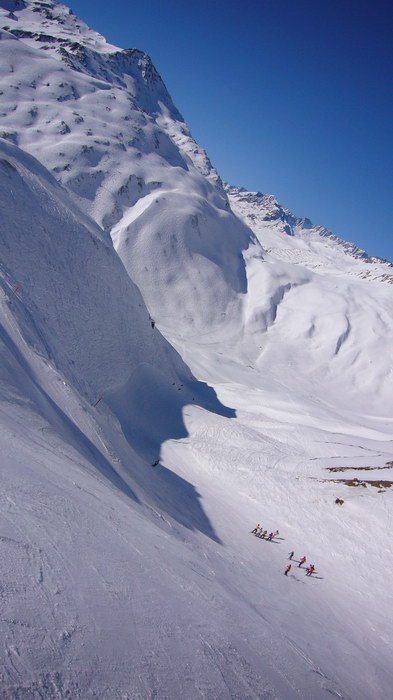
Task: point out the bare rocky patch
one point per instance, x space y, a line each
388 465
379 484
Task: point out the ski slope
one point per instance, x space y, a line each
268 366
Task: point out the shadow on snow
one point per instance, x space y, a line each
150 411
16 369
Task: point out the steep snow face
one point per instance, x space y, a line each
66 268
70 312
102 120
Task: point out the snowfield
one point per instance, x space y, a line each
179 360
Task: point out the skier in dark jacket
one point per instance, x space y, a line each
291 555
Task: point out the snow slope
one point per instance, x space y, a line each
124 580
318 306
112 568
102 120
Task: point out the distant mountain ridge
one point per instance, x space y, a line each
263 211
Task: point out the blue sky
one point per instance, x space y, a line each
290 97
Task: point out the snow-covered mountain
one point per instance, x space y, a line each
150 315
102 120
312 246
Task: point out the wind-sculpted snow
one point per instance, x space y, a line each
204 270
102 120
66 267
327 308
133 468
78 310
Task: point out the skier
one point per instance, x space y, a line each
302 561
275 533
255 530
270 536
287 570
310 570
291 555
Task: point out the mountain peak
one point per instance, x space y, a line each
50 21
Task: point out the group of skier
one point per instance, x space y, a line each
258 531
309 571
